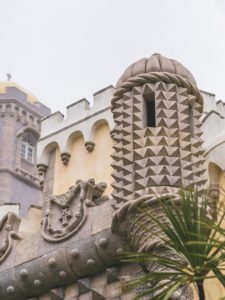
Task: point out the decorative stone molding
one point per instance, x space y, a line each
126 220
27 175
41 169
153 77
89 146
133 223
68 264
114 134
32 128
65 214
65 157
9 225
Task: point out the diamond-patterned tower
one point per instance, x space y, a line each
156 108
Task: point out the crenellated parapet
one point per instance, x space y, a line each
81 119
213 127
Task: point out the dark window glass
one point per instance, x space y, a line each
150 110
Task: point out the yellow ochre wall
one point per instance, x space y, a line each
85 165
222 186
213 288
97 164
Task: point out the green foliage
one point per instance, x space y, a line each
197 238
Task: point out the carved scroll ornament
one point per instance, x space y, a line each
66 213
8 227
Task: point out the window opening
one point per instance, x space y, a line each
150 109
28 147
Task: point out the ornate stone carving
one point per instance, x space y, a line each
8 227
65 214
41 169
134 224
65 156
27 175
89 146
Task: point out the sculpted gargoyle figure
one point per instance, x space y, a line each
8 226
65 214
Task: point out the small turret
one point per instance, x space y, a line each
156 108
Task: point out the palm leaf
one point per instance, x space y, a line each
193 235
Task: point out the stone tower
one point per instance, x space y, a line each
156 108
20 115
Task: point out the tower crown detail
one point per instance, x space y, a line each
4 85
156 63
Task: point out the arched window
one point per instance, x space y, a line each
28 146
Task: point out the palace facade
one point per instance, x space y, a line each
150 135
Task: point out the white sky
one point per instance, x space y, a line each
65 50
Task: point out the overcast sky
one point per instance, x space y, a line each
65 50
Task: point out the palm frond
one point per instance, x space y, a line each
190 232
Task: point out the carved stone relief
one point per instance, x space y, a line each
133 223
8 232
65 157
66 213
89 146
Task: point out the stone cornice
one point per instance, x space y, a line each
33 110
21 177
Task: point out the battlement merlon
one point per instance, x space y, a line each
77 111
